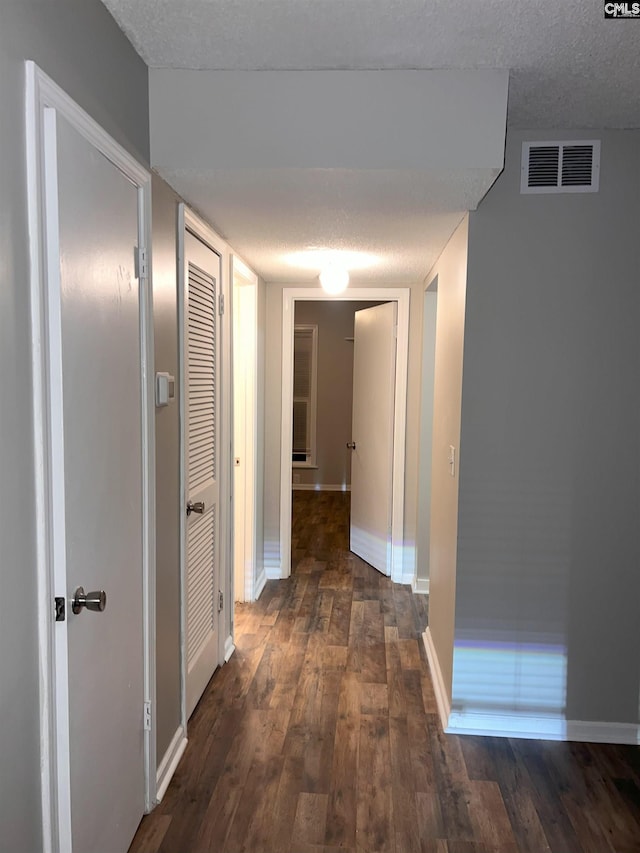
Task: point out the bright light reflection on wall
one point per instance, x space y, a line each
507 678
316 259
512 604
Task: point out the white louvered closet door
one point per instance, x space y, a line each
202 351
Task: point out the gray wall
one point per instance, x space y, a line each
335 321
77 43
164 268
549 539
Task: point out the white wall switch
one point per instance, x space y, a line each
165 389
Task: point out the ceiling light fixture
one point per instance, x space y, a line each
334 280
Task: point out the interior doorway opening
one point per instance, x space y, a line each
323 394
291 297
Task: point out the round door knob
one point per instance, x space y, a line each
96 600
351 445
198 507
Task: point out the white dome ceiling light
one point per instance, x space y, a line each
332 266
334 280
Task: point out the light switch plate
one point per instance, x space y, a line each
165 389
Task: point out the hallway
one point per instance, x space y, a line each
321 735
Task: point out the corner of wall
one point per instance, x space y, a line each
260 583
451 271
420 586
443 698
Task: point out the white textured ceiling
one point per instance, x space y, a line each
400 218
569 68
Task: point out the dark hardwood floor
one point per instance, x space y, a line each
321 735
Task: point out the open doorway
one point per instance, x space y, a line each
323 394
343 405
336 474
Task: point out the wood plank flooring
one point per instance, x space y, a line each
321 735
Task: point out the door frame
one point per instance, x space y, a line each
44 101
425 442
189 220
402 296
248 452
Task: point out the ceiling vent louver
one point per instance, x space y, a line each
560 167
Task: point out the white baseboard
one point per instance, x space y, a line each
442 697
405 578
170 761
589 732
320 487
506 725
229 648
531 727
420 586
260 582
403 563
273 573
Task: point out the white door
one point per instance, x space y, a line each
244 428
239 442
202 509
100 490
374 369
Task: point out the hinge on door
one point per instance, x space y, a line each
147 716
395 332
221 304
220 600
142 263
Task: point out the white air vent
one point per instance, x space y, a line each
560 167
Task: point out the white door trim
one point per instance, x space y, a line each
188 220
249 452
45 100
401 295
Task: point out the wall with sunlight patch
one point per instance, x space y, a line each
548 563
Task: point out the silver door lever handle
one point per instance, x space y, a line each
198 507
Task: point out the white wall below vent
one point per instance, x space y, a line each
560 167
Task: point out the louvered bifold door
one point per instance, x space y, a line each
202 347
